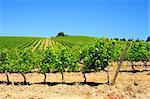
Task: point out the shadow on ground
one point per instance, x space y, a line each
15 83
53 83
134 71
71 83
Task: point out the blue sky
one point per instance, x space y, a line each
110 18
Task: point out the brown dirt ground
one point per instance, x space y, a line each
128 86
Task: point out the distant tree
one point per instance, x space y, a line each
123 39
117 39
148 39
137 40
130 39
61 34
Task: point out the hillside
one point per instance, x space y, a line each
74 40
36 43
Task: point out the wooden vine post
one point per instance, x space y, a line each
120 63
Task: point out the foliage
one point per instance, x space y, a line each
7 42
61 34
97 56
4 61
73 41
48 60
67 60
148 39
24 61
17 61
138 51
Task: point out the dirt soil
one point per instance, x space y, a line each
129 85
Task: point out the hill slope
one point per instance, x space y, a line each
74 40
36 43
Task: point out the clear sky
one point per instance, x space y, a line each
110 18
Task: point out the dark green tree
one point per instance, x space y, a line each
123 39
148 39
61 34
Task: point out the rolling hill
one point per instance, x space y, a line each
39 43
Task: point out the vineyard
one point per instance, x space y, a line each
73 60
38 43
71 41
33 43
25 55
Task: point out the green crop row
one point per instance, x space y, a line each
95 56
